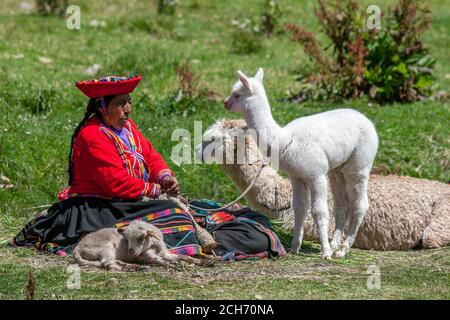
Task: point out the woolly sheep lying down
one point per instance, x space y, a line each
404 212
139 244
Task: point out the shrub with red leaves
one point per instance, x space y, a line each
390 64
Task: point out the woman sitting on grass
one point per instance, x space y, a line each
109 156
112 166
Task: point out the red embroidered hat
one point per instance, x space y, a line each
107 86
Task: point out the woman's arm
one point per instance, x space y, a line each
108 170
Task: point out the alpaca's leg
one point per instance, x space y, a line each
151 258
357 185
108 258
340 201
125 266
319 211
300 212
175 258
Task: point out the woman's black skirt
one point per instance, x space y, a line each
60 228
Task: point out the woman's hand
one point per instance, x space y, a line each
171 186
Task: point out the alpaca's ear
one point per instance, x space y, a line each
259 75
244 80
151 234
154 234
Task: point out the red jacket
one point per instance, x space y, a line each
104 166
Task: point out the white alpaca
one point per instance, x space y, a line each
404 212
340 143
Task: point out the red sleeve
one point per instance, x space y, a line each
107 169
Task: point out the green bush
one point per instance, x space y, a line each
246 37
248 32
270 17
52 7
388 65
399 67
189 97
167 6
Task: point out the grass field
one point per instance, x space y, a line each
34 141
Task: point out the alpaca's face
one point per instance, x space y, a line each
243 89
141 236
236 102
214 146
227 142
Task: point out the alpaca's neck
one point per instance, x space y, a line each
259 117
243 176
268 183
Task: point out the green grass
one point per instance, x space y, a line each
414 138
403 275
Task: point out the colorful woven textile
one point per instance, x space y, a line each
26 238
243 233
170 222
231 228
61 227
276 247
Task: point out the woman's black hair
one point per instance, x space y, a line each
92 109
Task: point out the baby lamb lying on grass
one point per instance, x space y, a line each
139 244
